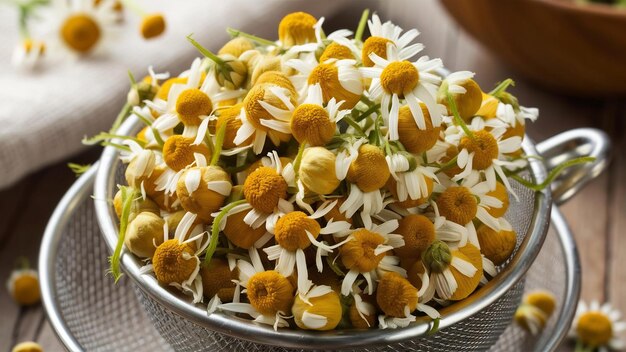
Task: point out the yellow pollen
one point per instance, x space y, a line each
358 253
296 28
484 146
468 103
217 280
543 300
394 293
327 75
290 231
152 25
255 112
269 292
263 188
496 246
169 262
376 45
164 90
277 78
178 152
203 201
418 233
594 329
336 51
369 171
457 204
415 140
80 32
191 104
311 124
25 289
229 116
399 77
239 233
501 194
328 306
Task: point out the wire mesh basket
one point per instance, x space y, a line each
471 325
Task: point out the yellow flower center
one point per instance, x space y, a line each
467 285
229 116
311 124
496 246
169 262
501 194
277 78
457 204
317 171
376 45
488 106
203 201
269 292
80 32
394 293
594 329
418 232
358 253
543 300
399 77
327 75
415 140
468 103
328 306
336 51
263 188
290 231
217 280
178 152
28 346
357 321
26 289
296 28
239 233
191 104
369 171
152 25
484 146
255 112
236 46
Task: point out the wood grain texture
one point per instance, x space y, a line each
569 48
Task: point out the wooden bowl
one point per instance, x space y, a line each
574 49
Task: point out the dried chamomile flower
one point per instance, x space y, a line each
416 140
202 190
236 46
23 286
535 311
314 124
320 309
28 346
597 326
317 170
217 279
143 234
296 28
497 246
465 92
152 25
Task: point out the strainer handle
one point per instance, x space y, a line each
572 144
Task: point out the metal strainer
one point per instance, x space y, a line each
473 324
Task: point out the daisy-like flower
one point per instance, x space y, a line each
454 272
339 79
420 231
535 310
297 28
410 183
383 34
203 189
266 113
340 46
191 103
294 232
597 327
79 27
23 286
465 92
366 253
515 120
28 53
365 167
394 79
184 253
270 294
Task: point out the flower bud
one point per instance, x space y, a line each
437 257
317 170
232 75
217 280
143 233
236 46
324 312
296 28
140 168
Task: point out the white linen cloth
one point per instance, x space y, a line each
45 114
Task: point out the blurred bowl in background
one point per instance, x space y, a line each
572 48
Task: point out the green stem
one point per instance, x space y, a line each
457 117
22 263
334 267
358 36
298 160
368 112
502 86
447 165
354 125
219 141
204 51
435 327
103 136
79 169
115 145
114 260
237 33
215 230
553 173
121 117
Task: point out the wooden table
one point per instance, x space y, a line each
596 215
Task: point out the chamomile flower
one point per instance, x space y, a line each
535 310
383 34
271 295
28 53
515 121
597 326
366 253
191 102
203 189
297 28
410 183
465 92
318 309
394 79
295 232
420 231
175 261
23 286
266 113
79 27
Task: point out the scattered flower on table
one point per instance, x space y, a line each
597 327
